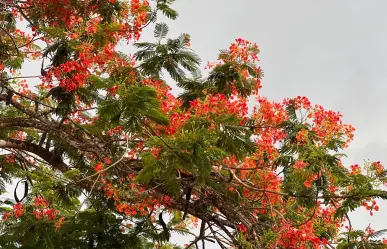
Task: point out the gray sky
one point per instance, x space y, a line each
332 51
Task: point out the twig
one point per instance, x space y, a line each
31 41
27 97
111 166
200 237
13 41
300 196
87 197
216 237
24 77
155 134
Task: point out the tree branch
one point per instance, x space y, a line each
48 156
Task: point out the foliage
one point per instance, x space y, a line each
110 158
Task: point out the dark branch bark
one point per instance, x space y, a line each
48 156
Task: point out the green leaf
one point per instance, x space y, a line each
167 11
110 109
161 30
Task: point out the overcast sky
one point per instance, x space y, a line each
332 51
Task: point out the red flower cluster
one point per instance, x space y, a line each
18 210
42 209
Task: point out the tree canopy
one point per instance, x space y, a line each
108 157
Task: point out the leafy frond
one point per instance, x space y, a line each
164 7
161 30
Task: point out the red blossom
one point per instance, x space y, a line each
18 210
98 167
6 216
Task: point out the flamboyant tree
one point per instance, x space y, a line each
109 158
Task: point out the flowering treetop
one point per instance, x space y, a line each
103 125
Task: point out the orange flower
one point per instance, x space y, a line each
59 223
300 164
107 160
6 216
98 167
308 183
18 210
